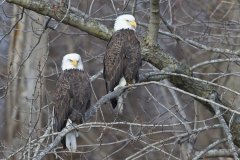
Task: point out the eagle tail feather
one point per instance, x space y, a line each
71 141
71 138
120 104
115 101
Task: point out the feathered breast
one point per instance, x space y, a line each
72 97
122 58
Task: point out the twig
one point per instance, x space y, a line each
201 153
196 44
189 145
41 140
214 61
213 97
162 141
96 75
218 153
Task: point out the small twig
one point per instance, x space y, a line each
189 145
195 44
114 8
90 8
214 61
156 76
218 153
41 140
217 142
213 97
163 141
96 75
134 7
14 26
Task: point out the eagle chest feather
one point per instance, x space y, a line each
122 58
72 97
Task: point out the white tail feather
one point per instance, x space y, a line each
119 107
121 83
71 138
120 104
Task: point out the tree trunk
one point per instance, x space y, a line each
28 53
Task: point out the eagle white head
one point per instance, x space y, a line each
72 61
125 21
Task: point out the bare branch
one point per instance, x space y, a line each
71 16
153 26
213 153
213 97
200 154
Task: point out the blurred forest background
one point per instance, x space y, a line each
174 117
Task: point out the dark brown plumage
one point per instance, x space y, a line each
72 98
122 59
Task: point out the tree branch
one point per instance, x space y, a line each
153 26
214 144
218 153
70 16
226 129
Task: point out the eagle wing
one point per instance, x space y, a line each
81 95
72 99
62 100
113 61
122 58
132 58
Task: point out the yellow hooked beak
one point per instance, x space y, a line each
74 63
133 24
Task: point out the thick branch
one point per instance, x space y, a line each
71 16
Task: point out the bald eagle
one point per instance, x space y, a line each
123 56
72 98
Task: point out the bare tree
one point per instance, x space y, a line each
183 108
